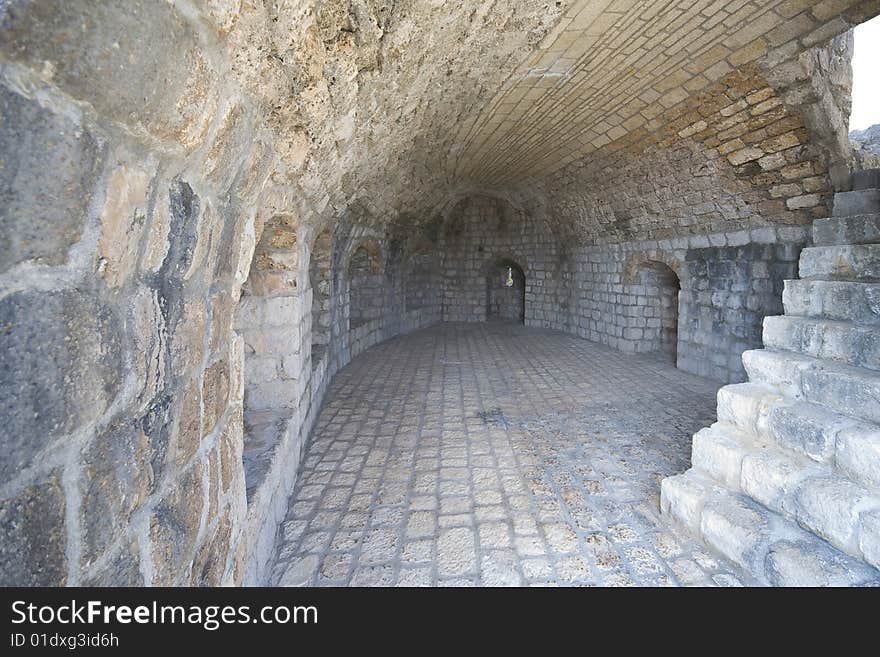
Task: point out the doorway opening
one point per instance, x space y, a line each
661 289
320 280
506 291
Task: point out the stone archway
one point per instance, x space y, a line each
661 287
505 291
321 284
268 320
366 286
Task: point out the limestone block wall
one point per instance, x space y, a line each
729 283
734 156
132 167
657 288
482 230
423 281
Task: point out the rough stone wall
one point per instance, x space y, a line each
320 279
478 232
729 283
366 282
733 157
131 165
422 281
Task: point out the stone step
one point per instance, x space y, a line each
860 229
762 414
852 391
747 405
850 446
719 450
866 179
846 301
859 201
816 496
850 262
772 549
842 342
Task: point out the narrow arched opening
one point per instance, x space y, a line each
267 317
660 287
321 283
505 292
366 286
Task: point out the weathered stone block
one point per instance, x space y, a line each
806 428
862 229
869 537
136 61
830 507
174 527
215 394
118 477
770 477
835 300
847 262
188 433
718 451
737 528
862 201
858 453
123 218
50 165
121 569
810 562
33 536
62 367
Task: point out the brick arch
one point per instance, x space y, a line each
496 259
374 252
636 260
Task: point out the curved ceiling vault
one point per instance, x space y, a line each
386 109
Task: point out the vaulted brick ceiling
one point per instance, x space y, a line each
609 67
394 108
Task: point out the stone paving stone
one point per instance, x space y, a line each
498 455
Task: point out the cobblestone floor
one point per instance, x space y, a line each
494 454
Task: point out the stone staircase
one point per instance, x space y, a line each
787 482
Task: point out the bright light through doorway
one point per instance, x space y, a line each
866 77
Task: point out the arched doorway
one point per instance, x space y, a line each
505 291
366 298
661 287
321 281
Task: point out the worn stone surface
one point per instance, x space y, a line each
50 163
32 537
796 449
210 207
472 454
61 369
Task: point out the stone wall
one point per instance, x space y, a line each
320 281
366 281
729 283
131 170
657 288
479 232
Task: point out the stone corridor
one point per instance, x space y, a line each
359 292
495 454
